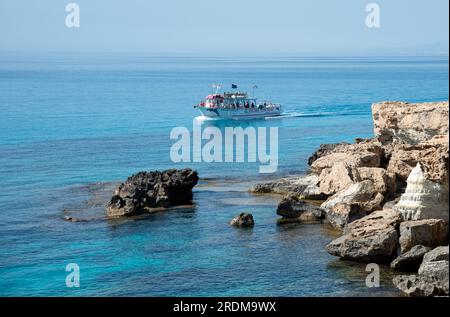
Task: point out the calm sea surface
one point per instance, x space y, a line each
72 126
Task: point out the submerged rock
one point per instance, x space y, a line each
146 190
372 238
243 220
410 261
429 232
423 199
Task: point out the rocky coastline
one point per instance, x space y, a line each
388 195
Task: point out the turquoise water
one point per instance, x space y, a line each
70 126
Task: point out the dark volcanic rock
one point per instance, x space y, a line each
146 190
411 260
243 220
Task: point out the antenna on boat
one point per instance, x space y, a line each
253 90
216 88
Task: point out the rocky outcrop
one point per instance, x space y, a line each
423 199
432 155
432 278
410 261
373 238
410 123
146 190
291 208
428 232
324 150
302 186
243 220
356 201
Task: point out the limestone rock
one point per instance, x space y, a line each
372 238
351 159
362 193
341 214
410 261
304 186
428 232
423 199
437 254
411 123
433 156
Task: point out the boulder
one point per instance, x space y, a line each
325 149
304 186
410 261
411 123
432 280
243 220
146 190
342 213
372 238
337 178
423 199
293 209
437 254
362 193
428 232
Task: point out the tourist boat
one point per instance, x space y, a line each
236 105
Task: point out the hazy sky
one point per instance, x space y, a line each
221 27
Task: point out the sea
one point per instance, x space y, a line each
72 126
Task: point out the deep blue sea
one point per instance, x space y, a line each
71 126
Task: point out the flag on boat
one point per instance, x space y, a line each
233 86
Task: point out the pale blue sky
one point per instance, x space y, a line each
223 27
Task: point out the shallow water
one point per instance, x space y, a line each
71 127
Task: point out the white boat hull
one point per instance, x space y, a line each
237 114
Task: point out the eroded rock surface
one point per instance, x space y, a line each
146 190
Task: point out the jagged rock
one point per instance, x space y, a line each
410 261
437 254
243 220
304 186
146 190
294 208
411 123
423 199
341 214
428 232
383 182
432 155
432 280
351 159
372 238
336 178
362 194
